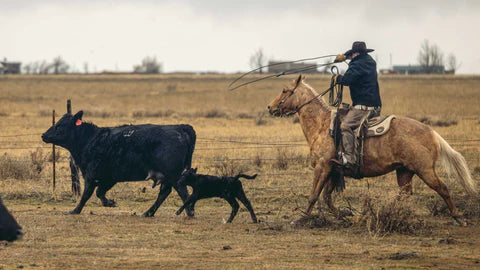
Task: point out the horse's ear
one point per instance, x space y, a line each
299 79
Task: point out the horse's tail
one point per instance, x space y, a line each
455 164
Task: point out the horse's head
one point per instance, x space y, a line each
286 103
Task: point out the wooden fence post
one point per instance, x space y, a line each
53 156
69 106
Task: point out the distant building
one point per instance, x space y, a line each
10 67
387 71
418 70
304 67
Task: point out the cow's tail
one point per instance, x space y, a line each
455 165
192 140
245 176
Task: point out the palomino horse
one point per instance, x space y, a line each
409 147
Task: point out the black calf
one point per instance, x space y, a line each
207 186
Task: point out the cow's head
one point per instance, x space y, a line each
62 133
9 228
189 177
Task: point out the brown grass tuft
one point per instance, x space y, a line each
152 114
437 121
224 166
38 159
282 160
215 113
260 120
382 215
13 168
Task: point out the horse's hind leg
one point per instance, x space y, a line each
431 179
404 179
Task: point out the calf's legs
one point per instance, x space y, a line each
183 193
189 202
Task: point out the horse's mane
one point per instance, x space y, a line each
319 99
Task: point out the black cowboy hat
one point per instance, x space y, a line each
358 46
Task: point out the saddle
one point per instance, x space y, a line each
375 126
369 127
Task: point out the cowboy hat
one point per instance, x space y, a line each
358 46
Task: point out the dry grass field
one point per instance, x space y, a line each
234 134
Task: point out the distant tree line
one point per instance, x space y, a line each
56 66
149 65
430 58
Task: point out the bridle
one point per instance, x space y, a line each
332 101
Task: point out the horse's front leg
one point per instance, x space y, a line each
320 177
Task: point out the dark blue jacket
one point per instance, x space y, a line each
361 77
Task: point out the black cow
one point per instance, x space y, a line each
9 228
109 155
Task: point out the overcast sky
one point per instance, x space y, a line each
220 35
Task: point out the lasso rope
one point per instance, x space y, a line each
232 85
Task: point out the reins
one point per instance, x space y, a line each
333 101
232 85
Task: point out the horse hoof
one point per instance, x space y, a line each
461 222
73 212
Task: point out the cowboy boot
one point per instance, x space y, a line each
348 143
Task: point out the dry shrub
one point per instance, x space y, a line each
58 155
38 159
476 170
437 121
150 114
260 121
47 113
257 161
437 207
245 116
285 159
2 113
282 159
103 114
215 113
468 206
171 88
472 208
313 221
20 169
382 215
224 166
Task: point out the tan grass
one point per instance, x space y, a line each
118 238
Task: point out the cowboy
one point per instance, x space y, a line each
361 78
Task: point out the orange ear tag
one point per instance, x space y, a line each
78 123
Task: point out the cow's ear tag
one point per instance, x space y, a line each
78 123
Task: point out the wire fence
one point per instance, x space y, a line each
209 144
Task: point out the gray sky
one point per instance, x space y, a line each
220 35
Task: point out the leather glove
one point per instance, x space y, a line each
340 58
